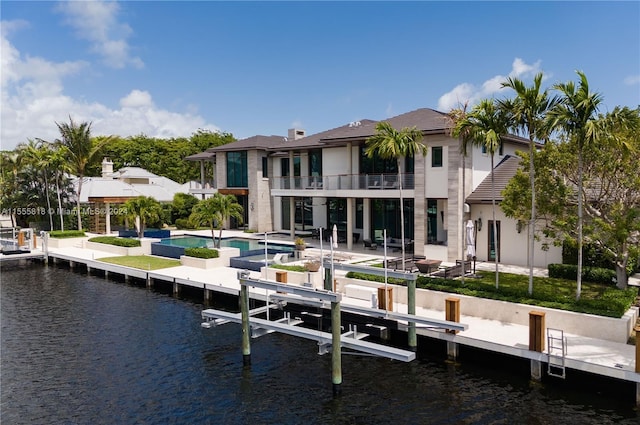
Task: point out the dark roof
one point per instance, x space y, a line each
318 139
253 142
503 172
425 119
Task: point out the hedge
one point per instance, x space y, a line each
114 240
61 234
201 252
589 274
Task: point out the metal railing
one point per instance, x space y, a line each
344 182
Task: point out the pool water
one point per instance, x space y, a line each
206 242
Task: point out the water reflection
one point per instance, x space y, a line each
80 349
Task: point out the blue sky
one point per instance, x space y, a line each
167 69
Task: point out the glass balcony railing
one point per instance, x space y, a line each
343 182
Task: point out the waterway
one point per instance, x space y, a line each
78 349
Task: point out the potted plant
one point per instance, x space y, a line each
312 265
300 244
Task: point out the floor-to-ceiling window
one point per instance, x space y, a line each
385 214
432 221
304 213
237 169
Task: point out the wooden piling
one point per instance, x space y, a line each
336 349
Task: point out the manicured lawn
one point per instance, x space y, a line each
144 262
596 298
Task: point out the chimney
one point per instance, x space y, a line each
295 134
107 167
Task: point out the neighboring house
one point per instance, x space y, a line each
103 195
301 182
512 235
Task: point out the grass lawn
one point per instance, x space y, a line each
595 298
144 262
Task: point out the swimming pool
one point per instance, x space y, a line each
188 241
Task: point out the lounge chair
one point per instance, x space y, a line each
280 258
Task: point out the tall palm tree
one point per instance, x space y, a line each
485 126
576 115
455 119
145 209
82 151
529 109
215 211
389 143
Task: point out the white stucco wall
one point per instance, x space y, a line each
513 245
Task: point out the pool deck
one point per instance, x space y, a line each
597 356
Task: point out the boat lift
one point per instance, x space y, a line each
333 341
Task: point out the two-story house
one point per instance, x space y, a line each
303 182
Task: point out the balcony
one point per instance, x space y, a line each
196 188
335 183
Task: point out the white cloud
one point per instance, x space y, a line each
469 93
632 80
33 100
96 21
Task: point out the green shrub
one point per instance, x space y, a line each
375 278
589 274
61 234
114 240
184 224
289 268
201 252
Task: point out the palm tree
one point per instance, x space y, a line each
485 126
576 116
529 109
389 143
145 209
10 167
38 154
215 211
455 118
82 151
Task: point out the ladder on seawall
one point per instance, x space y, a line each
557 350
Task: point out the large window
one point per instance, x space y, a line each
385 214
377 165
436 156
315 162
237 169
432 221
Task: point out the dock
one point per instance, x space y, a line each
591 355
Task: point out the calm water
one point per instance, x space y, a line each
80 349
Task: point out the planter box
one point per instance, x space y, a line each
201 263
589 325
66 242
116 250
223 260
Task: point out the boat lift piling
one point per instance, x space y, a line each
254 327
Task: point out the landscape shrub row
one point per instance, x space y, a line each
61 234
201 252
589 274
114 240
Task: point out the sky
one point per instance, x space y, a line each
169 68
